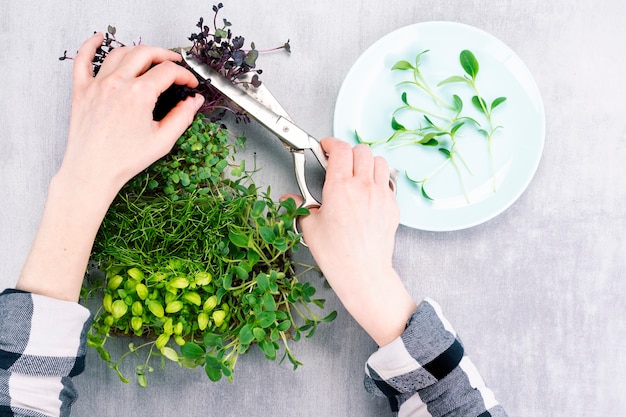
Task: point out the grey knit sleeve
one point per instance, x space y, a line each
425 371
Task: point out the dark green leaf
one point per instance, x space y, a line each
431 142
497 102
456 127
266 319
238 238
268 348
319 303
212 339
284 325
267 234
427 137
445 151
253 258
480 104
302 211
192 351
246 336
269 304
228 281
330 317
213 374
469 63
241 272
258 208
263 282
280 244
404 99
290 205
425 194
395 125
259 334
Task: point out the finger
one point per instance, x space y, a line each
340 160
363 162
83 68
381 171
174 124
162 76
113 60
297 198
141 58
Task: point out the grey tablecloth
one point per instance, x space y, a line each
536 293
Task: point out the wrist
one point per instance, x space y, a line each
379 302
92 196
58 258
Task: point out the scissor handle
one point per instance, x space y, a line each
299 163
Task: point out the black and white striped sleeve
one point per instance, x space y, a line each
425 371
42 345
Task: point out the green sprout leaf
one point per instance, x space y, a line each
402 65
480 104
192 350
453 79
469 63
495 103
395 125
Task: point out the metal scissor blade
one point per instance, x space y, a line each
286 130
263 95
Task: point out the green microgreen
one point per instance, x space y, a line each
204 267
439 128
470 66
193 260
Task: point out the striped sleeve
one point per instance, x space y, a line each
42 345
425 371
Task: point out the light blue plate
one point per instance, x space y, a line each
370 94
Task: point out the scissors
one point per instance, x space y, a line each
261 105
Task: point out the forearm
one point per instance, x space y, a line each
56 264
378 301
426 371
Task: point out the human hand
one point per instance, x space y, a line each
112 137
351 236
112 134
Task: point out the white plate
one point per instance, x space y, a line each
370 94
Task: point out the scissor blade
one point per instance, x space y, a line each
289 133
263 95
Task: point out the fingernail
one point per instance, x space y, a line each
199 101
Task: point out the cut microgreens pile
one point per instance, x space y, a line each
193 261
440 128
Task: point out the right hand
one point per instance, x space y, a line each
352 235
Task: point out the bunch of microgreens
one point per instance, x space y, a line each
193 261
439 129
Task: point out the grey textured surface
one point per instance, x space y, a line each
536 293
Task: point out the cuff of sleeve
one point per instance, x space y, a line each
425 353
42 336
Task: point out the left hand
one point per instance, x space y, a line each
112 137
112 134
